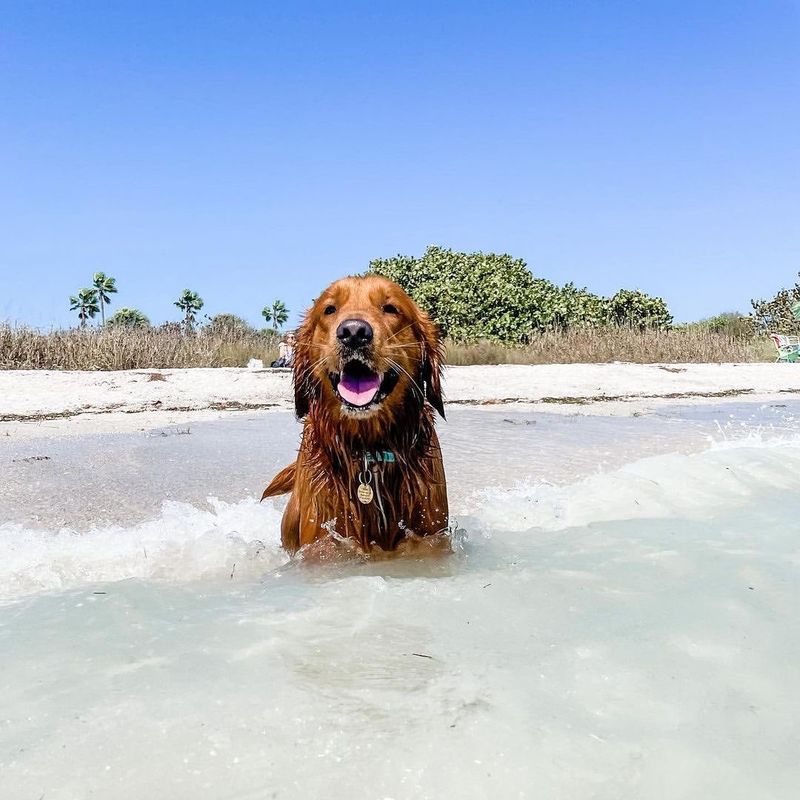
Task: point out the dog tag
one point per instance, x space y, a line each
365 493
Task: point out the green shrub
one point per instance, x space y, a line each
636 309
495 297
471 295
731 323
776 315
128 318
228 323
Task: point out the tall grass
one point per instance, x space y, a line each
158 348
131 348
602 345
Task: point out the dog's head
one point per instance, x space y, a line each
366 348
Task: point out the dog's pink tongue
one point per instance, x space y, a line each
358 390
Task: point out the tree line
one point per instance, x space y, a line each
496 297
475 296
91 301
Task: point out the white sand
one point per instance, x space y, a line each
45 403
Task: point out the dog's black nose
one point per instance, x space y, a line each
354 333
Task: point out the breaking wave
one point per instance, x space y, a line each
241 541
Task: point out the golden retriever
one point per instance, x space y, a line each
367 380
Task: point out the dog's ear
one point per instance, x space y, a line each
302 376
301 392
432 362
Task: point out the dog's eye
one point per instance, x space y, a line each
330 310
390 309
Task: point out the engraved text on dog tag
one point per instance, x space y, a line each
365 493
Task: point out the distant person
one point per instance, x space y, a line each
285 352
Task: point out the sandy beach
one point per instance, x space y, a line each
37 403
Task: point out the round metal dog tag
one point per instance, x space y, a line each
365 493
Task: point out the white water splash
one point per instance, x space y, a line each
237 541
632 634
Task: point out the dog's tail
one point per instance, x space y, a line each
282 483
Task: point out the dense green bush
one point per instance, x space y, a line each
637 310
228 324
471 295
128 318
730 323
570 306
776 315
496 297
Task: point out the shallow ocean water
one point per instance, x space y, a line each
619 619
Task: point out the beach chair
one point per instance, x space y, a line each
788 347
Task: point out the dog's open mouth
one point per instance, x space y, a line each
359 386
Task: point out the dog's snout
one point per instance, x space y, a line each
354 333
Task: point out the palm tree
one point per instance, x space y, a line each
85 303
189 302
104 286
277 314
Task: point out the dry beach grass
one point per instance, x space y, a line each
120 348
158 348
605 345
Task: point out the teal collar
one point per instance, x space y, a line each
380 457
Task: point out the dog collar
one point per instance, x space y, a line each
366 493
380 457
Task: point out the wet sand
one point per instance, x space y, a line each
36 403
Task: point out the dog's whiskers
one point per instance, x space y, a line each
403 369
397 333
402 347
308 371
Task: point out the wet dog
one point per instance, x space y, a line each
367 384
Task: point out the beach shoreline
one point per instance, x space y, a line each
43 403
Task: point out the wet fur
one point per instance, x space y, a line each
324 479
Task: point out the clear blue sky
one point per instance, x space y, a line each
257 150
